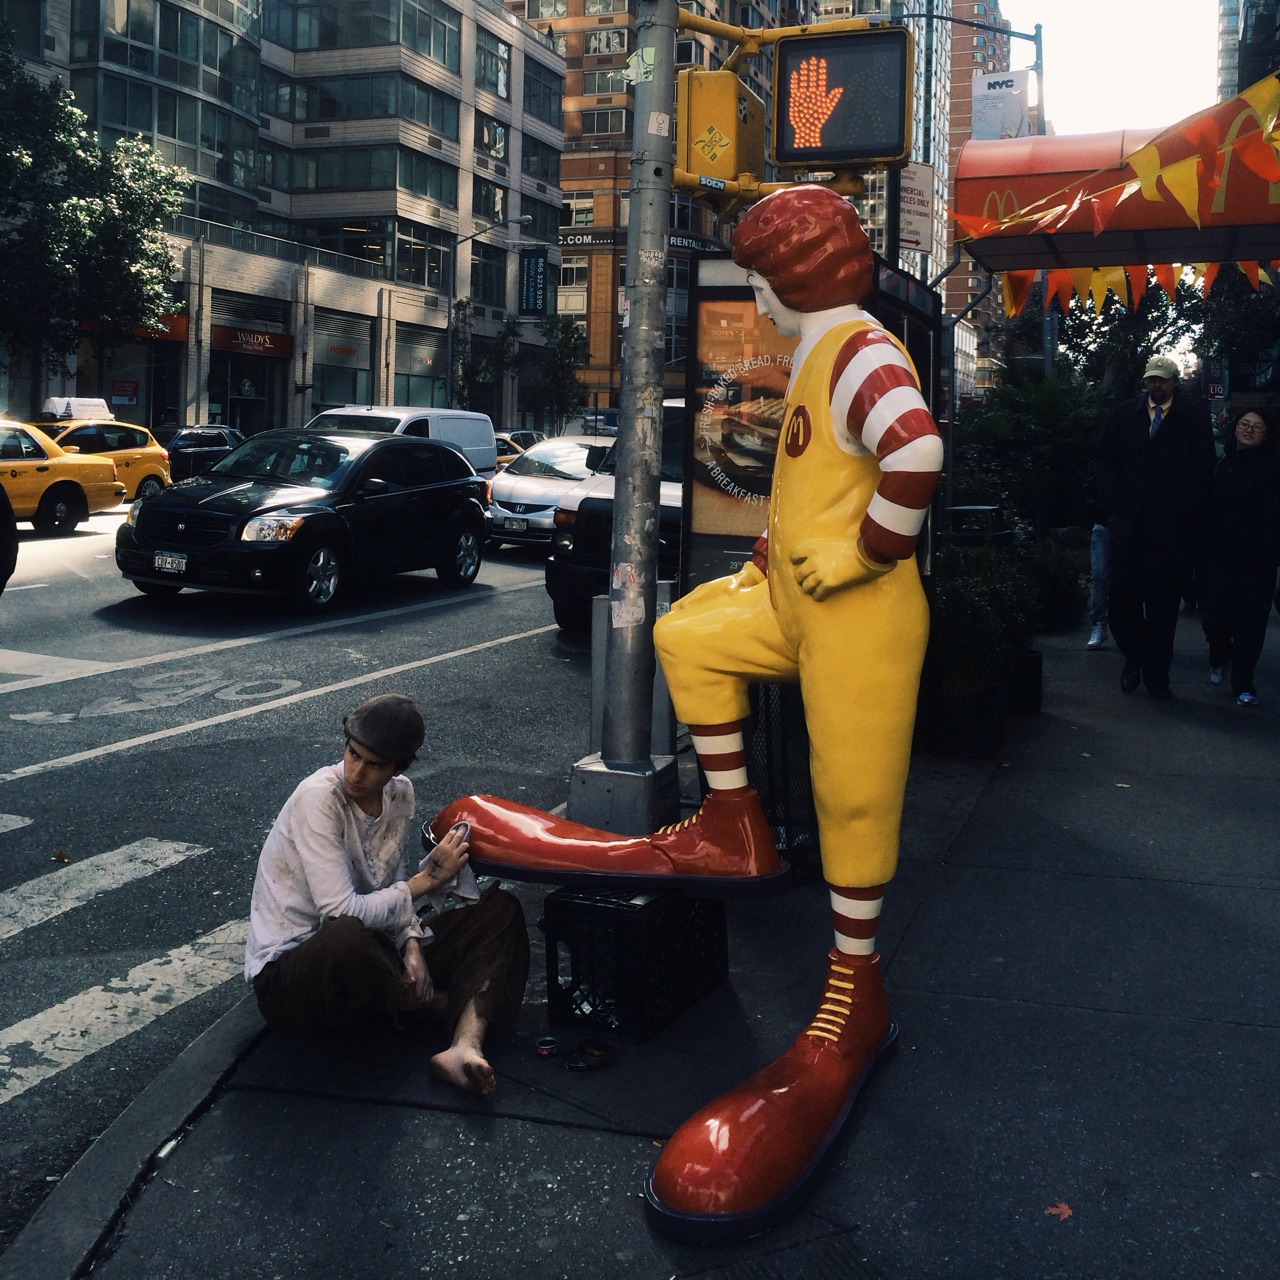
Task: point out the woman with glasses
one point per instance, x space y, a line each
1241 551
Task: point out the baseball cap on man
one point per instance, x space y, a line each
1161 367
389 724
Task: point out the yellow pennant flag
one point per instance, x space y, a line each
1183 181
1082 279
1264 98
1146 164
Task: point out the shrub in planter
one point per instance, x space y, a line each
982 606
1057 570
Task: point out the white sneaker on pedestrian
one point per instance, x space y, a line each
1217 675
1098 636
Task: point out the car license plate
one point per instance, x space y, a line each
514 522
170 561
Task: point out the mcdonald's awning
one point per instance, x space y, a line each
1205 191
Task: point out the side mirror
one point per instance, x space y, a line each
596 455
372 487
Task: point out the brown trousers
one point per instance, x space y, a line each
347 975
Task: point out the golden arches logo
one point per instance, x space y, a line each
1000 207
1243 118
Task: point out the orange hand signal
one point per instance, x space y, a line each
811 105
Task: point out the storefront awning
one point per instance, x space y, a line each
1095 210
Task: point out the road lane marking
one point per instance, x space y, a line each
67 1033
52 894
80 757
12 821
15 662
220 646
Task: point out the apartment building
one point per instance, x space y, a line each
357 167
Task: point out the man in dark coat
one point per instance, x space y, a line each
1155 466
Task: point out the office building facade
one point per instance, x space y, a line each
356 168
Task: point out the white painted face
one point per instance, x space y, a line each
769 304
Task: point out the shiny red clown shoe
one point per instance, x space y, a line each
725 850
746 1162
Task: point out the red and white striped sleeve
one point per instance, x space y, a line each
876 403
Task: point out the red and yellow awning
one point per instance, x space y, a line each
1095 210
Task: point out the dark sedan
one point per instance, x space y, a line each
194 450
301 513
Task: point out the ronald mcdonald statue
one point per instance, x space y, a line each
831 599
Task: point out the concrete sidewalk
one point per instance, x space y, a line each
1082 952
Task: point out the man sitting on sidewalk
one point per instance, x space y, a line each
334 943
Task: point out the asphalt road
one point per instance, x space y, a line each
146 746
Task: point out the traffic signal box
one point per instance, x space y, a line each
721 125
840 98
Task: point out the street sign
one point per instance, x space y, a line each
916 205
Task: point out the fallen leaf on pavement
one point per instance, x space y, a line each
1061 1211
61 857
1126 785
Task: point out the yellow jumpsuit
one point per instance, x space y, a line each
857 654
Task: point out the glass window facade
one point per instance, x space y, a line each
543 93
488 275
493 64
540 161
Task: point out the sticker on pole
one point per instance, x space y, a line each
626 603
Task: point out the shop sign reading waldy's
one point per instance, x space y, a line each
255 342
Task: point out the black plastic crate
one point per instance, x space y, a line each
630 963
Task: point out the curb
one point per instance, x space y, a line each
66 1232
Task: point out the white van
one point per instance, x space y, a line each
470 432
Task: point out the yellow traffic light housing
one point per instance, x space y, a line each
721 126
842 99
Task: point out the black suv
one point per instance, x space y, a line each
582 541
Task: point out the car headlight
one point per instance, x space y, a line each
276 528
134 508
562 534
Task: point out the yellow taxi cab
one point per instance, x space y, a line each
53 488
142 464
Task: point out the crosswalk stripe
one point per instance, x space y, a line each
38 900
61 1036
12 821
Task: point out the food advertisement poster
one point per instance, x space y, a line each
738 382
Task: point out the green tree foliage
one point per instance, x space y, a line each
81 229
1107 349
556 386
1026 447
1241 324
480 363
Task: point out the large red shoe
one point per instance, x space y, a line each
725 850
745 1162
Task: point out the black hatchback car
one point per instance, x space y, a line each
301 513
195 449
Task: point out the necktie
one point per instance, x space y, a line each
1156 419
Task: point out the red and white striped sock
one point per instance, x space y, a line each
721 754
855 914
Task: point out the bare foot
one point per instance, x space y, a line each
465 1067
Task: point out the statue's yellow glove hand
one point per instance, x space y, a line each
824 566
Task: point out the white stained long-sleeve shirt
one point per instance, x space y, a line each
325 857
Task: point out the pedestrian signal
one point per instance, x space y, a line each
842 98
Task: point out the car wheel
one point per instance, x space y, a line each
464 562
60 510
319 578
149 488
157 588
572 615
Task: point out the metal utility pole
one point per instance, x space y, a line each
625 788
